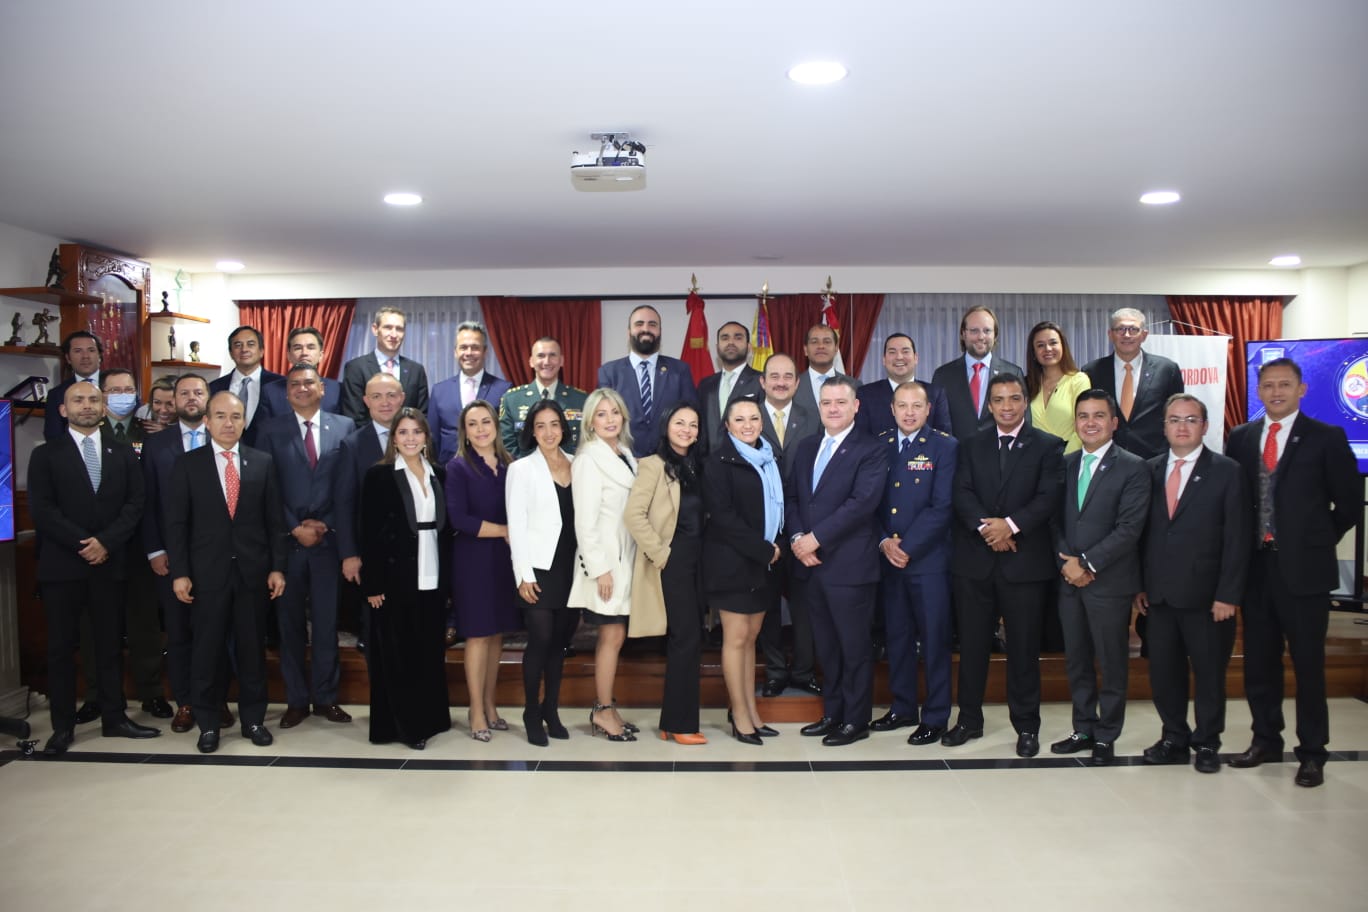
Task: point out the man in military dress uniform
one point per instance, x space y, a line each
546 364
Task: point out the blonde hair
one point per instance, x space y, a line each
591 404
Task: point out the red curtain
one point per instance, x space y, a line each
330 316
792 315
515 323
1245 320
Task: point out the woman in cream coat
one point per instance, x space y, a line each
601 478
665 516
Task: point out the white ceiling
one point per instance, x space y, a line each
968 133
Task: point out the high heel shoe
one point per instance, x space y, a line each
536 732
765 731
746 737
498 725
482 735
596 729
683 737
554 727
627 726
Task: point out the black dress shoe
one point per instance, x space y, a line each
773 688
747 737
89 712
1310 774
823 726
158 708
208 741
1208 761
890 721
810 686
1028 744
1165 753
127 728
960 734
1103 754
848 733
925 734
258 734
58 743
765 731
1077 741
1255 755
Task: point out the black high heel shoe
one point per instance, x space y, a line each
746 737
596 729
554 727
532 721
765 731
626 726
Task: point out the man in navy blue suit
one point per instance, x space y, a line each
649 382
248 379
84 354
832 500
915 517
453 394
303 444
965 379
875 416
388 327
305 346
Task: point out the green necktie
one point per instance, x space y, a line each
1084 477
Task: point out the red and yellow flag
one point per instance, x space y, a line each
696 353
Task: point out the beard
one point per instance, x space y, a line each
645 344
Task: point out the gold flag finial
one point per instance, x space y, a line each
764 291
829 289
693 283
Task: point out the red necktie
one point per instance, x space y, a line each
1270 454
976 387
310 449
232 483
1171 489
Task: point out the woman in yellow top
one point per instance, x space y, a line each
1053 382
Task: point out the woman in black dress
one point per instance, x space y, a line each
744 497
403 573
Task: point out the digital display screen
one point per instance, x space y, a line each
1335 372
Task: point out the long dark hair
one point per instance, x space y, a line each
1035 372
527 440
683 469
392 449
466 450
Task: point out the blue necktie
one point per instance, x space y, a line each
822 459
92 461
194 443
646 390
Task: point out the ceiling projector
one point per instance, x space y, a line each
619 165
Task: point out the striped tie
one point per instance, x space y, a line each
646 391
92 461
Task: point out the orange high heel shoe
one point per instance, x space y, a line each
683 737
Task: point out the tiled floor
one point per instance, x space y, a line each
586 824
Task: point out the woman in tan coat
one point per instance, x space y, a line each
665 516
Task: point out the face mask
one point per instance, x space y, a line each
121 404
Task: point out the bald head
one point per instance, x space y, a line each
384 398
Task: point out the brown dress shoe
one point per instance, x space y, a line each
332 712
184 721
293 716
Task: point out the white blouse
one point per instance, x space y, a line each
424 511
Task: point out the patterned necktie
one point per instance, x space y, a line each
779 425
391 368
92 461
1270 465
1128 391
646 391
310 448
822 459
976 388
1171 489
1270 453
231 483
1085 477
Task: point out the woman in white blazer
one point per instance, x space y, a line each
541 535
602 476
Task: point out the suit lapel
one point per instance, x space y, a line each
75 462
1014 456
406 495
1294 439
1195 485
1099 475
839 453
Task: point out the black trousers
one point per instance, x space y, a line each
1274 615
771 639
239 610
63 605
141 625
684 619
978 603
1178 639
1096 632
841 616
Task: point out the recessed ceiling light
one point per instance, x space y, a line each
818 72
230 266
1160 197
403 199
1289 259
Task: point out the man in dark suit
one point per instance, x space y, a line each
225 536
1140 383
303 444
1007 489
735 378
1104 504
304 345
86 497
832 499
965 379
84 353
1195 556
472 384
820 348
915 519
545 361
876 398
1306 493
649 382
248 379
785 423
388 327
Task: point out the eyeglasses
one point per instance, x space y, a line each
1127 330
1175 420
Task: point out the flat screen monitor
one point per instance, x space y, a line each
1336 375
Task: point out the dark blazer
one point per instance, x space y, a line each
1143 432
917 500
158 456
1105 533
1201 555
355 373
736 554
54 425
444 409
275 394
1317 497
308 493
710 417
514 405
66 508
1028 494
265 411
805 394
842 512
876 408
952 376
800 422
672 383
389 535
204 542
355 455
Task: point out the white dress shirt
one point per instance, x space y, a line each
312 431
816 380
253 389
1185 473
424 511
1284 433
222 465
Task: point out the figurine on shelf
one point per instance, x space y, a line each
41 320
17 322
55 273
166 302
194 352
171 341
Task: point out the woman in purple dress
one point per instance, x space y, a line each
483 590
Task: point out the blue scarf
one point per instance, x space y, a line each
762 459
